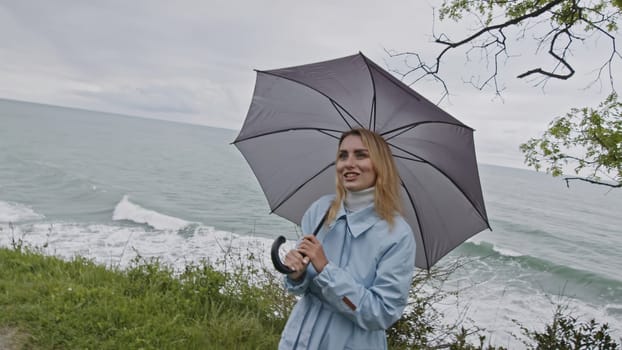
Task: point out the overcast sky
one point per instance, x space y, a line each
193 61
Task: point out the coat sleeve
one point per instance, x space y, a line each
380 305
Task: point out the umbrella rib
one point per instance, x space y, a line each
411 159
335 103
391 78
322 130
401 132
372 117
301 186
342 116
405 128
327 134
447 177
412 203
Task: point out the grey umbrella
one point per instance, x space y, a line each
291 134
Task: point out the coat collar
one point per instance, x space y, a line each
359 221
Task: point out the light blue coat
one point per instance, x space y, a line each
361 292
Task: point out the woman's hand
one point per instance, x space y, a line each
312 250
297 262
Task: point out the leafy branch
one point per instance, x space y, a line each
588 140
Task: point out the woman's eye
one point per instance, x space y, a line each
361 155
343 156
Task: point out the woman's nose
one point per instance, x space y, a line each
349 161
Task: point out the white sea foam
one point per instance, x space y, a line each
506 251
494 246
126 210
113 245
15 212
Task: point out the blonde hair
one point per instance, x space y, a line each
387 201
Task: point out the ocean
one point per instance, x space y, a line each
109 187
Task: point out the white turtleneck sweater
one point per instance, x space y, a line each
357 200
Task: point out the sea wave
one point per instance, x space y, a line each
561 272
482 247
126 210
16 212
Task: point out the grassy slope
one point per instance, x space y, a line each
77 304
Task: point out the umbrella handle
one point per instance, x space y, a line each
276 260
274 253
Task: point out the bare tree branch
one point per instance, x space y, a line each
563 15
560 59
595 182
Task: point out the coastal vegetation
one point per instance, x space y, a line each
50 303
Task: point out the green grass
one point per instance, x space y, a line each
77 304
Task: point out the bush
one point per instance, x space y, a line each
566 332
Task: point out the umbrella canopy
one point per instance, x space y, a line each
291 134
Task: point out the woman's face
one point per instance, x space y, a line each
354 167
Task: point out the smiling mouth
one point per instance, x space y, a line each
350 176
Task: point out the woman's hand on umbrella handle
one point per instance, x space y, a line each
312 249
297 262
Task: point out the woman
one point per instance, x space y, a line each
354 276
